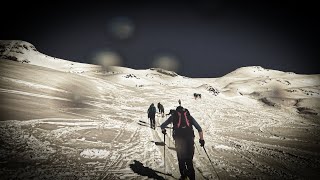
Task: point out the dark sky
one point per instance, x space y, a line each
208 38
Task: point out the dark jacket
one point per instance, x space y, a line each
152 111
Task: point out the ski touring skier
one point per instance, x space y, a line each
152 115
183 136
161 109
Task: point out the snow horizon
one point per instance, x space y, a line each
101 63
63 120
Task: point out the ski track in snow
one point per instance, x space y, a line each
250 154
100 141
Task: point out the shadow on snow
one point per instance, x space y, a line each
138 168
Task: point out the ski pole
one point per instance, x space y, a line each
210 161
164 152
197 150
169 139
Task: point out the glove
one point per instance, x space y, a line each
164 131
201 141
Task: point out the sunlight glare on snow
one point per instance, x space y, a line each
277 92
74 93
121 27
167 62
107 58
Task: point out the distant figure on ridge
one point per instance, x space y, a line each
196 95
152 115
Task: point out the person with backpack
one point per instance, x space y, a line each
183 136
152 115
161 109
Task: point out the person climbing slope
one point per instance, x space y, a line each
161 109
152 115
183 136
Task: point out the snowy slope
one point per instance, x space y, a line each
25 52
57 123
274 88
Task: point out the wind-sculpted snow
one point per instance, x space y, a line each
257 123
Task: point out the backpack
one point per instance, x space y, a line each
161 108
182 124
152 111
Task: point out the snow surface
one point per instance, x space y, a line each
68 120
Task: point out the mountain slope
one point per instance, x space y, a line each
57 123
